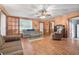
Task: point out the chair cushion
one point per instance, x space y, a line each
11 49
2 41
11 44
18 52
10 38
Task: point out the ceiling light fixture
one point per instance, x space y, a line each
43 13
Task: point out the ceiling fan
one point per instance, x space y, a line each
43 13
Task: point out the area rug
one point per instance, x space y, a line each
34 39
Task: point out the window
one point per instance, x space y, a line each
25 24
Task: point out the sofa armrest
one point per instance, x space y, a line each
1 53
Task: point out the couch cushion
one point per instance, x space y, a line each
30 30
29 34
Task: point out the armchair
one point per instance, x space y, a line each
10 48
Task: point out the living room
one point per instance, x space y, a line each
30 29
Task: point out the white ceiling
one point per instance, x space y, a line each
31 10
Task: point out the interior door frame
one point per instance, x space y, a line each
43 26
50 27
68 29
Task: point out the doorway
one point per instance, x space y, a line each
51 27
42 27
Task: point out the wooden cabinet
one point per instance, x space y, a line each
59 31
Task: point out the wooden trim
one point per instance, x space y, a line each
43 27
51 26
73 17
68 31
4 10
24 18
3 13
6 26
19 26
67 28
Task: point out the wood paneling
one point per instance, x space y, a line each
13 26
36 25
46 27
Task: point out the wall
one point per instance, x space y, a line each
60 20
46 28
51 27
65 19
57 20
36 25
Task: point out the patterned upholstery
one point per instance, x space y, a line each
31 34
2 41
10 48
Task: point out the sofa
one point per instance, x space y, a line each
10 48
31 33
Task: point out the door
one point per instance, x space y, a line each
41 27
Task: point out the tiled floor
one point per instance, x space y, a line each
47 46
